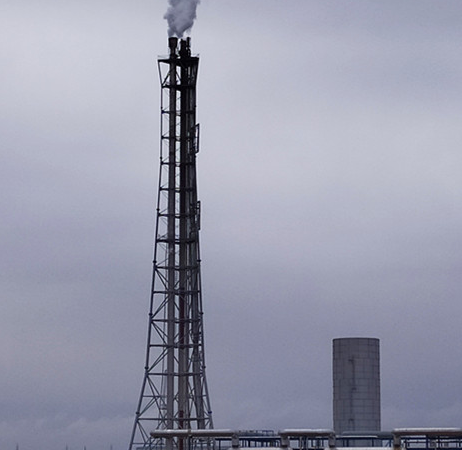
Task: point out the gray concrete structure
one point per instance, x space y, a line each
356 382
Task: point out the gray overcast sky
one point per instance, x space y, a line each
331 191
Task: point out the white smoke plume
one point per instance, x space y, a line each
180 16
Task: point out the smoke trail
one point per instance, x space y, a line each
180 16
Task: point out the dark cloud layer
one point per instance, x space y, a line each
330 184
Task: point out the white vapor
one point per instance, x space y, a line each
180 16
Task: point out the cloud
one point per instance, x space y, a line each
67 433
329 176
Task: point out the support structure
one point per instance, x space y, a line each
174 391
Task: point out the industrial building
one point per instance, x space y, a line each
356 384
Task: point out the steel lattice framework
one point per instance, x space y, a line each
174 391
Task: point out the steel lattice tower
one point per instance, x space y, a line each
174 391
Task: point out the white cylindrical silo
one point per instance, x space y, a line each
356 379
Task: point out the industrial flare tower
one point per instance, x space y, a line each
174 391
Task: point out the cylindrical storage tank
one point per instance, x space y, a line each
356 379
